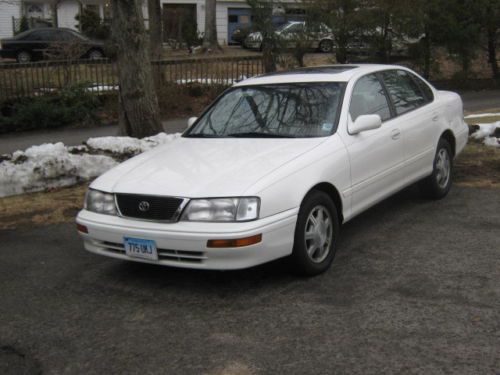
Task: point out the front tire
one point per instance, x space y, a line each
23 57
316 235
438 184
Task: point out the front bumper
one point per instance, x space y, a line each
7 54
184 244
253 44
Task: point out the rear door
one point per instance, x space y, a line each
417 116
376 156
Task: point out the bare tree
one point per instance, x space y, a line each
210 38
139 110
155 29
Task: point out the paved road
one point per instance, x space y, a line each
481 100
70 136
415 289
473 101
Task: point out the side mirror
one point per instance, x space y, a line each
191 121
364 123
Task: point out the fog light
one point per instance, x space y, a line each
239 242
81 228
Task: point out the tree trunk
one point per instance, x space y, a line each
492 52
210 37
155 31
139 111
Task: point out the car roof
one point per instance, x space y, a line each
325 73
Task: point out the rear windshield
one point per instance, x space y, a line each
292 110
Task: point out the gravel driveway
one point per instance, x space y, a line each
415 288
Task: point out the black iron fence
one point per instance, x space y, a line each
101 76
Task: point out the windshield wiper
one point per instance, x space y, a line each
258 135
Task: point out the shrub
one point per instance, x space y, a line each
91 24
68 106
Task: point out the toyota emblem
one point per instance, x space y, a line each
144 206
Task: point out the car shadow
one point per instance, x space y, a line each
273 274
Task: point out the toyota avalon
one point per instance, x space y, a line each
274 167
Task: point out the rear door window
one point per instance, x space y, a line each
403 90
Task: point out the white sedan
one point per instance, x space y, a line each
274 167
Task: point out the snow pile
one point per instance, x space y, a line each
129 145
48 166
488 133
479 115
54 165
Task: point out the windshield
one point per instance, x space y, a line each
294 110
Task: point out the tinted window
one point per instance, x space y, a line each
404 91
424 87
295 28
32 36
43 35
67 36
368 98
285 110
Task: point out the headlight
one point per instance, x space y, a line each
100 202
222 209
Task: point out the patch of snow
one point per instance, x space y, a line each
129 145
52 165
49 166
485 133
211 81
485 130
492 141
479 115
99 88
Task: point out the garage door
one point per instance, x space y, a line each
236 18
66 13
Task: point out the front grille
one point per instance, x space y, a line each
159 208
163 254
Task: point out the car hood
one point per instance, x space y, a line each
208 167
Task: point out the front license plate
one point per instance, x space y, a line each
139 248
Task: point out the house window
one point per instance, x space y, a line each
34 10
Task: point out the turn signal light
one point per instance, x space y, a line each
82 228
240 242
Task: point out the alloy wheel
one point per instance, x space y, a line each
318 234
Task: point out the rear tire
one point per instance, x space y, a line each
438 184
326 46
316 235
23 57
95 54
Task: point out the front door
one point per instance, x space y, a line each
377 156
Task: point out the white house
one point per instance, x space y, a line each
230 14
60 13
176 13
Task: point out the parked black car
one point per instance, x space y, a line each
36 44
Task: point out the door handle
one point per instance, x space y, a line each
395 134
435 117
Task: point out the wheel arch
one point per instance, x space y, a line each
450 138
333 193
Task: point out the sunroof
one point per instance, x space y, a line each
332 69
